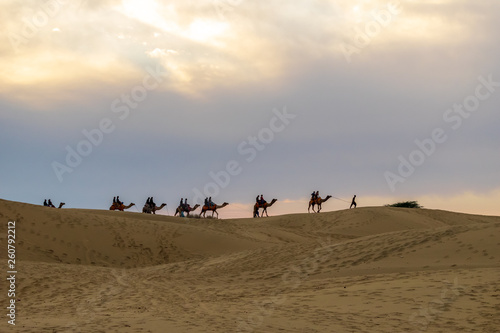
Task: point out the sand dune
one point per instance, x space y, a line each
374 269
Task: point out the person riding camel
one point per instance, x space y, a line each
186 206
261 200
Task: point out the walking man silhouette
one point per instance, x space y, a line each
353 202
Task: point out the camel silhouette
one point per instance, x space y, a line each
317 202
189 209
213 208
264 208
52 206
152 210
120 207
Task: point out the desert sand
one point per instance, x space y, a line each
373 269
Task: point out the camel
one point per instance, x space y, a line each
152 210
213 209
264 206
318 202
60 205
52 206
120 207
189 209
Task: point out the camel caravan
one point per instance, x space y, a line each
184 209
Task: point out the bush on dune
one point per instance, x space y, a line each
405 204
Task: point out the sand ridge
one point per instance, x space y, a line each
374 269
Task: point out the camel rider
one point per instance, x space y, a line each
313 196
262 201
257 200
317 196
206 202
152 203
210 202
181 204
50 203
118 200
186 206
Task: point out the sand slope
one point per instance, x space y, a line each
363 270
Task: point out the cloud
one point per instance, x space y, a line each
248 43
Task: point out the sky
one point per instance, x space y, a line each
387 100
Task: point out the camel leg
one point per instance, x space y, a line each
215 213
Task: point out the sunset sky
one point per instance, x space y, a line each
388 100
